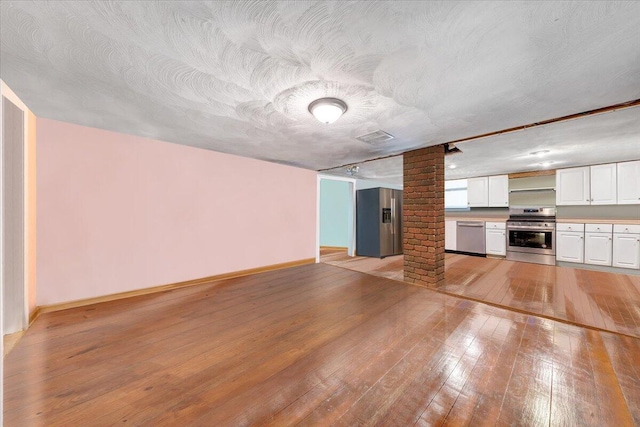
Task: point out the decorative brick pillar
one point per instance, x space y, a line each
423 216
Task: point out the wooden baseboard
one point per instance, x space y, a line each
162 288
34 315
337 248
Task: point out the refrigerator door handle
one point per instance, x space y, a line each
393 215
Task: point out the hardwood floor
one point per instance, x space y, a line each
10 341
316 345
585 297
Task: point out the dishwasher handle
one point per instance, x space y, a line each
470 224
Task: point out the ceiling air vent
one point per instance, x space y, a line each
376 137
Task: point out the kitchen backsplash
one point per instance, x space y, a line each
599 212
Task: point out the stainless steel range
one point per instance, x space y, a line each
531 234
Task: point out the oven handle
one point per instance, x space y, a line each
511 227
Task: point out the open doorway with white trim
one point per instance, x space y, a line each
336 214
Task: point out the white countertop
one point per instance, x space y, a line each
575 220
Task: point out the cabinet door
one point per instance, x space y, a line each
450 233
570 247
626 250
478 192
499 191
597 248
496 241
629 183
603 184
572 186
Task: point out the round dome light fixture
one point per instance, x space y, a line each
327 110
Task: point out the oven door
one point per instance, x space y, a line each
535 240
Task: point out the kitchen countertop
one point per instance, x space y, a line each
476 218
600 221
575 220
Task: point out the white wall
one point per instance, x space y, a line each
363 184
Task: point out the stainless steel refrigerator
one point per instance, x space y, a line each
378 222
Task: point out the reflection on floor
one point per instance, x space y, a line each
591 298
316 345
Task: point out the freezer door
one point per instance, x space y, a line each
386 222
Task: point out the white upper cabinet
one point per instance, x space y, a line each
478 192
588 185
490 191
629 183
603 184
572 186
499 191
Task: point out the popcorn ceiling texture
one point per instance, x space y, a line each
237 76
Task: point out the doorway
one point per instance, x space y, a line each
335 227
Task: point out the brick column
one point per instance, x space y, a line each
423 216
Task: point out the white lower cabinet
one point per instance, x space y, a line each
570 242
495 238
598 244
626 246
450 235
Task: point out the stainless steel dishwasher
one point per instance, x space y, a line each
470 237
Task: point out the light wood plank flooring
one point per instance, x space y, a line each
316 345
585 297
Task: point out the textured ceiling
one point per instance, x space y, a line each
603 138
237 76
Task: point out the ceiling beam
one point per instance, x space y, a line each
532 173
610 108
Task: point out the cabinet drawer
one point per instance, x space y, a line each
598 228
569 226
496 225
626 228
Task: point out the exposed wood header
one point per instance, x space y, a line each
532 173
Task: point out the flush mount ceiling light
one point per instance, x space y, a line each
452 166
545 164
352 170
327 110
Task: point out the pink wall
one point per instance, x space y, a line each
118 213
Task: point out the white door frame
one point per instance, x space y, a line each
351 229
6 92
1 258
